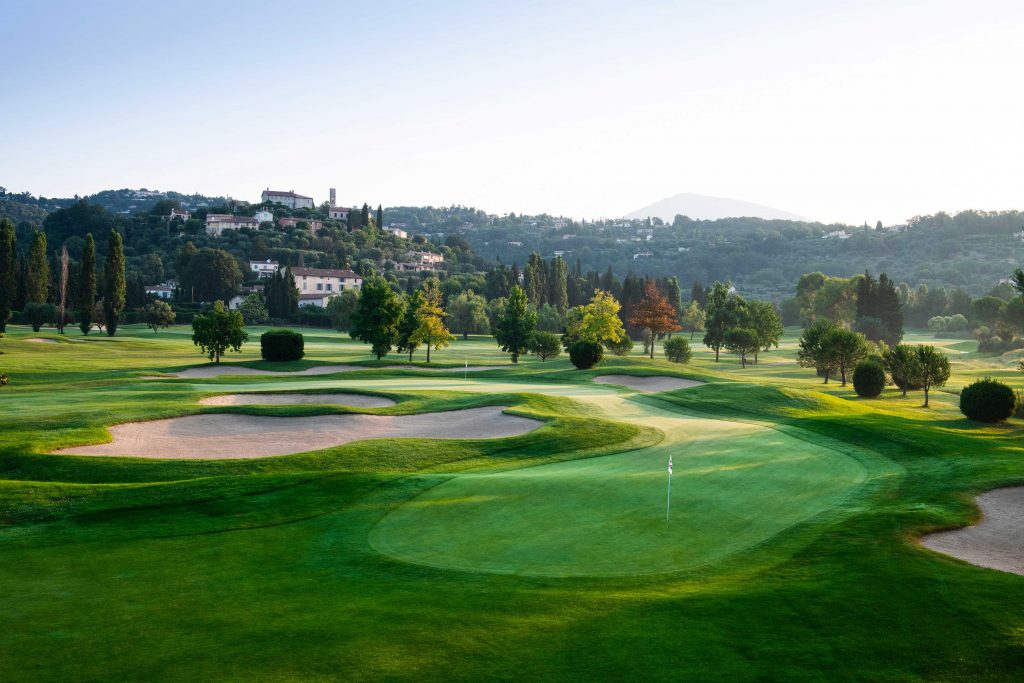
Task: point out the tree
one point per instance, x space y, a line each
407 343
812 352
467 314
375 321
693 318
516 324
86 297
654 312
211 275
764 319
218 330
62 288
37 280
724 312
535 280
677 350
380 217
545 345
159 314
932 369
113 282
987 309
8 271
340 308
38 314
252 309
429 315
558 284
742 341
845 348
901 363
598 321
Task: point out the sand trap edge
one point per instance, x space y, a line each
648 384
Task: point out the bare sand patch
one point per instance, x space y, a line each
39 340
355 400
997 542
220 370
224 436
648 385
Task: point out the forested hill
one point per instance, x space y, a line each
972 249
124 201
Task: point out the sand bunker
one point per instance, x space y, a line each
219 370
997 542
256 436
648 385
357 400
37 340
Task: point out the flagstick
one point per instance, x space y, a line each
465 373
668 498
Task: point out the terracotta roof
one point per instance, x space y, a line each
321 295
283 193
324 272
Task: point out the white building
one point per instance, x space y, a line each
339 213
160 291
179 213
325 281
217 223
427 258
264 268
264 216
291 222
289 198
398 232
320 300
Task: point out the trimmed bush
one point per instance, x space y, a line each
868 379
677 350
623 347
282 345
585 354
988 400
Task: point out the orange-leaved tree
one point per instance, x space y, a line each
654 313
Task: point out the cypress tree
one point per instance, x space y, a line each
86 294
21 293
558 284
380 217
113 281
37 284
8 271
366 216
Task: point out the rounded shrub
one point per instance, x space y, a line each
282 345
623 347
585 354
868 379
988 400
677 350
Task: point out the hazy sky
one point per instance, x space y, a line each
869 110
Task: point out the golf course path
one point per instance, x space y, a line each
997 542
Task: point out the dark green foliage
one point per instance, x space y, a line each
931 369
158 315
211 275
516 325
585 354
282 345
743 341
78 220
85 294
376 320
39 314
281 295
218 330
988 400
677 350
868 378
879 312
37 280
545 345
113 282
8 271
623 347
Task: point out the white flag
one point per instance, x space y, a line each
670 465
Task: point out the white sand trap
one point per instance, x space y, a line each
997 542
219 370
356 400
471 368
648 385
255 436
38 340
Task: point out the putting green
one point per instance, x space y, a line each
735 486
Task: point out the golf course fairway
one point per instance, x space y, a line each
607 516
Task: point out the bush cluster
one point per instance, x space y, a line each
868 378
585 354
677 350
988 400
282 345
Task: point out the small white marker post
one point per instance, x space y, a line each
668 496
465 373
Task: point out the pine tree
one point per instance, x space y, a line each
86 295
697 294
37 283
8 271
113 281
516 324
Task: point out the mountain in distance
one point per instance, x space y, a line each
698 206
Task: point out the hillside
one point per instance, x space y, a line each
703 207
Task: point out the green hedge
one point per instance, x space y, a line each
585 354
282 345
988 400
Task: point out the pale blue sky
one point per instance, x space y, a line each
866 111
